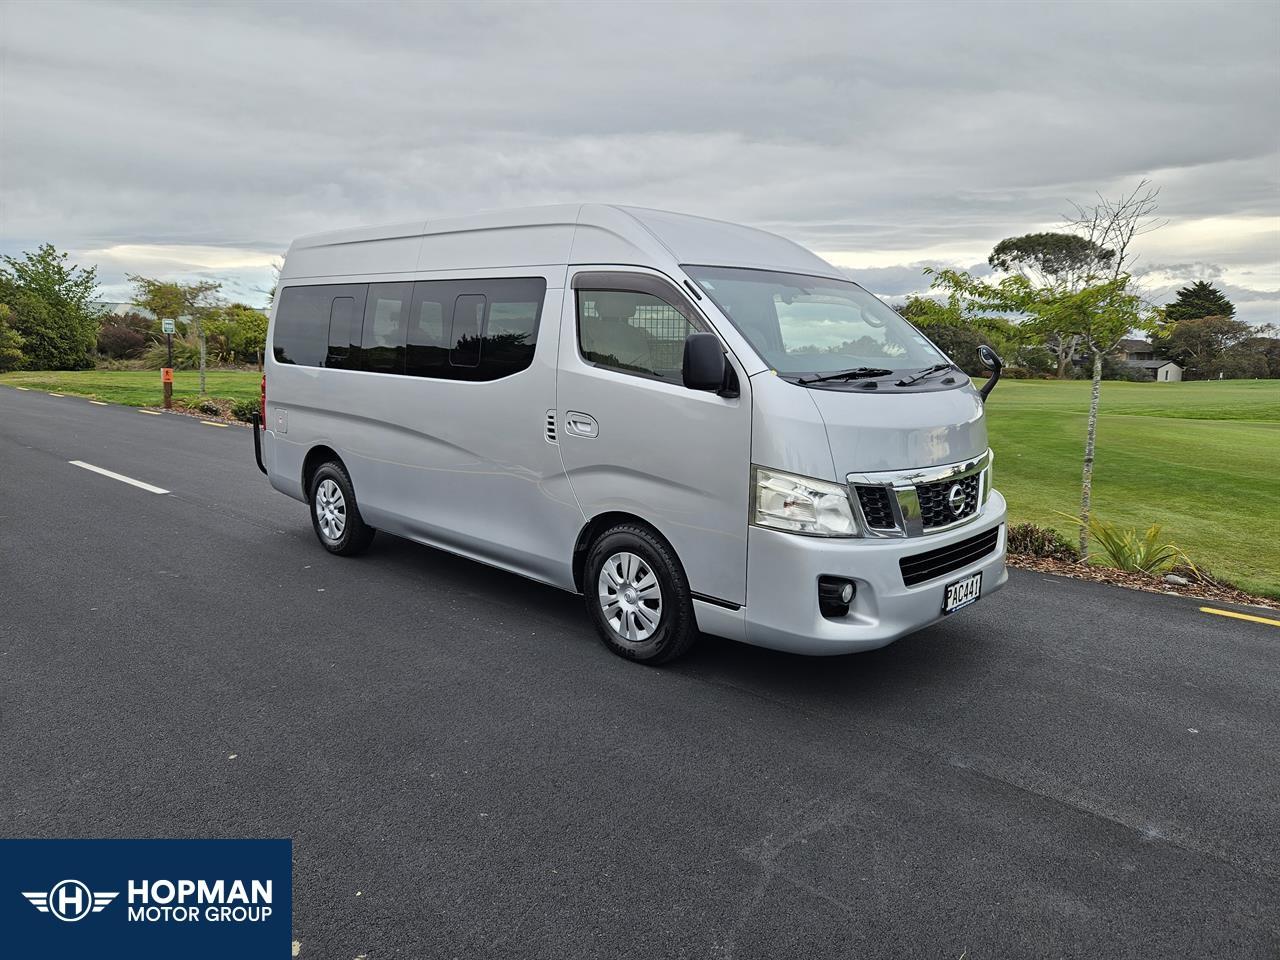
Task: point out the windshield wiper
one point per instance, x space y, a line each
927 372
857 373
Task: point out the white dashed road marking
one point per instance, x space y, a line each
99 403
154 413
117 476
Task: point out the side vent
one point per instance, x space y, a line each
551 427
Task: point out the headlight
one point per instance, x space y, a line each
786 502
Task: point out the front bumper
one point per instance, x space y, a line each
782 586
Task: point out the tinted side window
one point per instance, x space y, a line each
474 329
634 332
429 319
301 334
385 316
466 338
346 317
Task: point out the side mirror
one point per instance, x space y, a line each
704 362
991 360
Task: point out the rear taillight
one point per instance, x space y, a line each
264 401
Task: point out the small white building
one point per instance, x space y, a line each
1162 371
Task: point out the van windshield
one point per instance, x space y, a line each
802 325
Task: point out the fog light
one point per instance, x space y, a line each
834 596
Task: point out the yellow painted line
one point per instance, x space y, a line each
210 423
1241 616
98 403
154 413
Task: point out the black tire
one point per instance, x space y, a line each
355 535
676 627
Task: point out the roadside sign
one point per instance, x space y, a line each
167 326
166 374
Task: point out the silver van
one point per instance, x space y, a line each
697 425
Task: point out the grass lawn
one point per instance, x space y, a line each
1202 459
138 388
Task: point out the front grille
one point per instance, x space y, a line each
935 501
876 507
944 560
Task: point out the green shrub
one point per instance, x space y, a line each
1125 549
209 406
11 357
119 343
186 355
1036 541
109 364
245 410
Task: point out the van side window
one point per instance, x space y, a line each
473 329
466 339
385 315
342 323
511 326
632 332
429 317
446 329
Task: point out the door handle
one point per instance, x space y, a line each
581 425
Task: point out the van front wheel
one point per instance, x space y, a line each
638 597
334 514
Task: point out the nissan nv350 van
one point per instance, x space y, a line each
697 425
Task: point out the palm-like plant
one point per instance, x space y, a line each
1126 549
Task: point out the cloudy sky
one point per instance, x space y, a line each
183 141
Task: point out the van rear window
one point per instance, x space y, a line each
319 326
302 325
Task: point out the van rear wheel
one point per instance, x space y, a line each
334 515
637 595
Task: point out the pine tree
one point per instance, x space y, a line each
1201 299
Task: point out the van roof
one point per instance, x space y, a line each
594 233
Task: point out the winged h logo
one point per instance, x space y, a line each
70 900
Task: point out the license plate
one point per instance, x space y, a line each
962 593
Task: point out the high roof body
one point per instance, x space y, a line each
588 233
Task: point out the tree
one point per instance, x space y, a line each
133 321
170 300
1197 344
1057 261
1239 363
118 342
957 333
1113 225
244 330
1201 299
51 308
1050 259
10 342
1267 347
277 267
1095 305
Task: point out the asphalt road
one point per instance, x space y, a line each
1064 770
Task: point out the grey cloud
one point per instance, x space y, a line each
852 127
